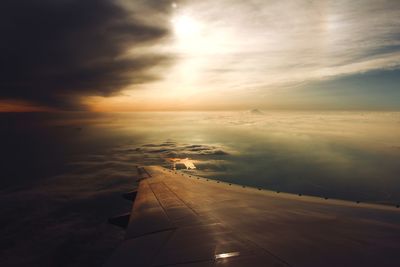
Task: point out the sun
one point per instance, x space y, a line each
185 26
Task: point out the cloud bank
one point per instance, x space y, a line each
55 52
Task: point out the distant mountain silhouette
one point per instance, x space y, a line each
256 112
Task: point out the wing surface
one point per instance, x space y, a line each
182 220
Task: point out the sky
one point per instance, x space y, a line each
120 55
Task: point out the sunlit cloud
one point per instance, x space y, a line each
231 51
196 54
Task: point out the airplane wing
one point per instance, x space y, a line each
182 220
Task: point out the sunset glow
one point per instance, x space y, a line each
219 55
238 133
245 56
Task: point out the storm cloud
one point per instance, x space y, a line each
54 52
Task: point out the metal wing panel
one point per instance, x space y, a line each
147 214
210 223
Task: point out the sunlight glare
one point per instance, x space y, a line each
185 26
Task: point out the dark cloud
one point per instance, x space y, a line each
53 52
176 150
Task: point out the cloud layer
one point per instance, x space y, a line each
62 179
241 54
54 52
220 54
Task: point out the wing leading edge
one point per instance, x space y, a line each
182 220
